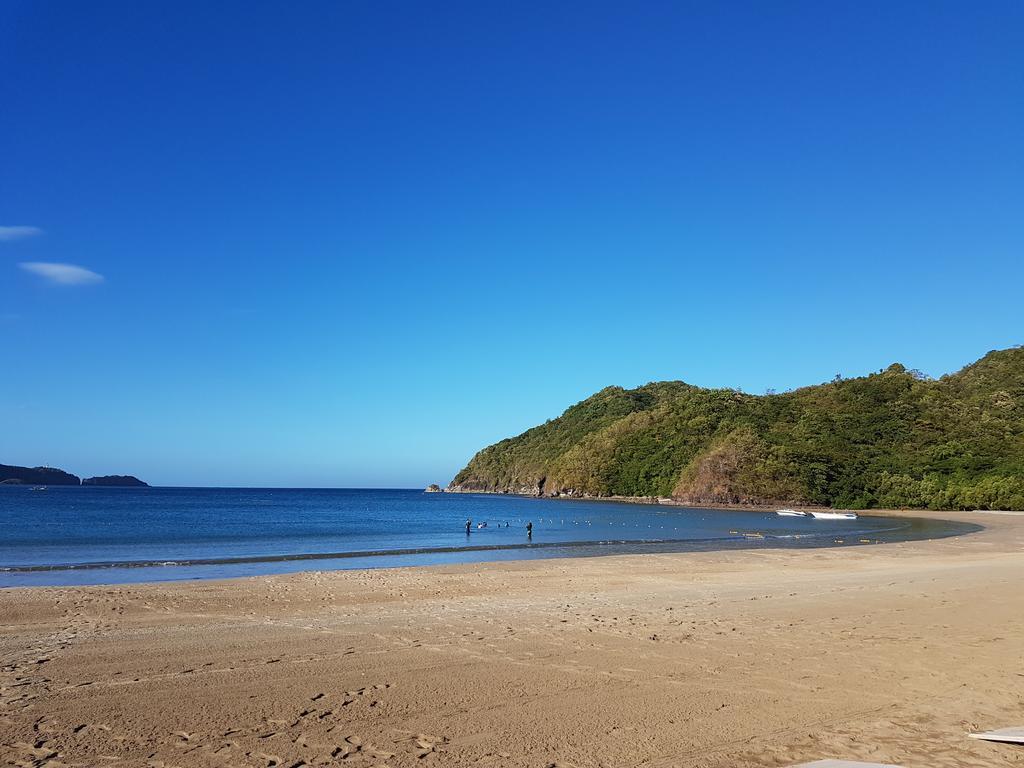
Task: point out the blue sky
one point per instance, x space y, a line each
348 244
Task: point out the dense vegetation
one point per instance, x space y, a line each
892 439
13 475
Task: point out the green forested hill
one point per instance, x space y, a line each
891 439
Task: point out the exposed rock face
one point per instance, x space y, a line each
116 480
433 488
36 476
533 488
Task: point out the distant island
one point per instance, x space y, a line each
894 439
115 480
12 475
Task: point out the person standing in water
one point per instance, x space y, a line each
529 530
469 524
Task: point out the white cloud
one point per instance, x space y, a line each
63 274
19 233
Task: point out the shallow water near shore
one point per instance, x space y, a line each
79 535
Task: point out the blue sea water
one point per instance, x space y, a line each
89 535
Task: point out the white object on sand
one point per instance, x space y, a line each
836 516
844 764
1005 735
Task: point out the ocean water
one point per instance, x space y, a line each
80 535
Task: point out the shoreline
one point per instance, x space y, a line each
667 501
746 536
761 658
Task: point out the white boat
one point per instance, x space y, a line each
834 515
790 513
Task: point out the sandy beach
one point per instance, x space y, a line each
889 653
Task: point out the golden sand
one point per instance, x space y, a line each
884 653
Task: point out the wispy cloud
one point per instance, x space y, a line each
63 274
19 233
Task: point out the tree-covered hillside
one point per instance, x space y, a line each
891 439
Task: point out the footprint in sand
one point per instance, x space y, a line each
423 744
224 748
368 689
350 747
88 727
38 753
271 761
183 739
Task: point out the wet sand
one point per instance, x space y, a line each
889 653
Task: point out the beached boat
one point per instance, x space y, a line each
834 515
790 513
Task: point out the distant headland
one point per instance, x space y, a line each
12 475
894 439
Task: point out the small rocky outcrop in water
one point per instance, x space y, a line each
116 480
11 475
432 488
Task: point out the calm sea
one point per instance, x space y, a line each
85 535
